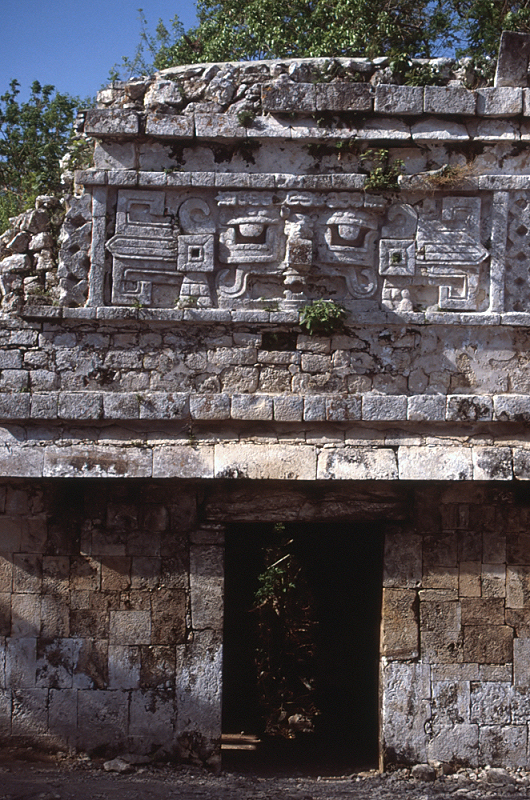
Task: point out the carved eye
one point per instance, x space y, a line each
349 232
250 230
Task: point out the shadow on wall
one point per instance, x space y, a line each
99 650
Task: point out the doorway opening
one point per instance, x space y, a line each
301 645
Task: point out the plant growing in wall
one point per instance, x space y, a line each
286 627
322 317
383 175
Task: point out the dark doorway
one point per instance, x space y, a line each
339 566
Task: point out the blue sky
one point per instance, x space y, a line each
72 44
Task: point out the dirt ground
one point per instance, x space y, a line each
78 779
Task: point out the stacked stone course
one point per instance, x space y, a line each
156 384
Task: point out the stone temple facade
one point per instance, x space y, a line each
156 388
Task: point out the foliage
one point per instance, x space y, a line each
482 22
416 74
383 175
34 135
230 30
322 317
286 635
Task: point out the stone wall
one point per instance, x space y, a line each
111 620
156 343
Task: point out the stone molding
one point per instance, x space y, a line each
168 406
279 461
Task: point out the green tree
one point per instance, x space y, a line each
34 135
482 21
255 29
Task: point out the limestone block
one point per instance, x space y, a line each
357 463
124 667
91 670
513 408
399 632
80 405
164 93
435 463
158 667
27 573
521 661
378 408
449 100
503 745
469 574
426 408
209 126
152 716
94 461
206 586
130 627
450 704
405 692
170 126
482 611
15 406
29 712
102 719
521 463
520 704
62 715
383 128
44 406
193 460
434 129
493 543
491 703
517 586
288 408
25 615
275 462
492 463
495 672
493 580
436 577
398 99
111 122
512 63
164 405
343 409
251 407
499 101
494 130
21 656
268 128
455 743
55 663
24 462
468 408
344 96
169 616
115 155
11 531
54 617
210 406
440 631
488 644
284 95
402 564
198 684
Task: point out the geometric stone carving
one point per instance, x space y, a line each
241 248
517 271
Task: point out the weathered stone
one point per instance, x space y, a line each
398 99
399 640
434 463
349 463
